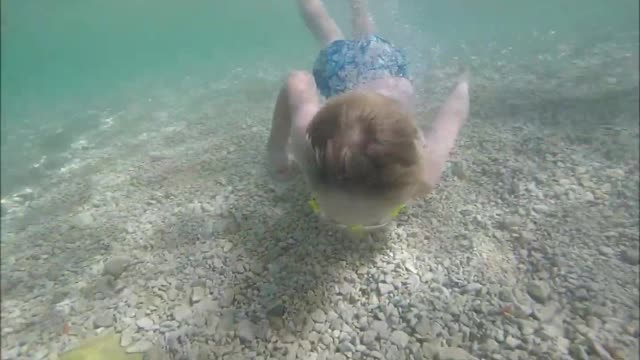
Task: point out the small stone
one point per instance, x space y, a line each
511 342
472 288
541 209
346 347
527 327
170 325
423 328
103 320
505 294
227 298
511 222
385 288
326 340
631 256
140 346
605 250
368 337
127 338
245 331
458 170
578 352
381 328
116 266
83 220
454 353
181 313
400 338
539 291
197 294
526 237
277 310
318 316
145 323
548 312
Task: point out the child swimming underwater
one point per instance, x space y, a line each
361 152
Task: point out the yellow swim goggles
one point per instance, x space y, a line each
357 229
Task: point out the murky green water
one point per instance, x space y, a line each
62 58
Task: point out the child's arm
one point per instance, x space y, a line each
296 105
439 141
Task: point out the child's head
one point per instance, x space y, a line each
366 155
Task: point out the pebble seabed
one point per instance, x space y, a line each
174 237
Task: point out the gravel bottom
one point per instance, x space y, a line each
176 239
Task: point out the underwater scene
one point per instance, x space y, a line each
142 219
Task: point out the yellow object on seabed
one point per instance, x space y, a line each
102 347
356 229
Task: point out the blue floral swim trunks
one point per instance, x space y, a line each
345 64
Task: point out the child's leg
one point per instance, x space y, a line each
361 19
323 27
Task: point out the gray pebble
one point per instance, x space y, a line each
368 337
511 342
83 220
605 250
103 320
527 327
326 340
346 347
181 313
505 295
511 222
145 323
168 325
140 346
381 328
630 256
318 316
539 291
578 352
458 170
400 338
385 288
423 328
127 338
197 294
277 310
313 337
227 298
454 353
548 312
245 331
116 266
472 288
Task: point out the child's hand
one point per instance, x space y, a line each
280 166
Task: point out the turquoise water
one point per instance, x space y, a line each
140 126
61 59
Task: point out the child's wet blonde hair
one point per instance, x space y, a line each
364 144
